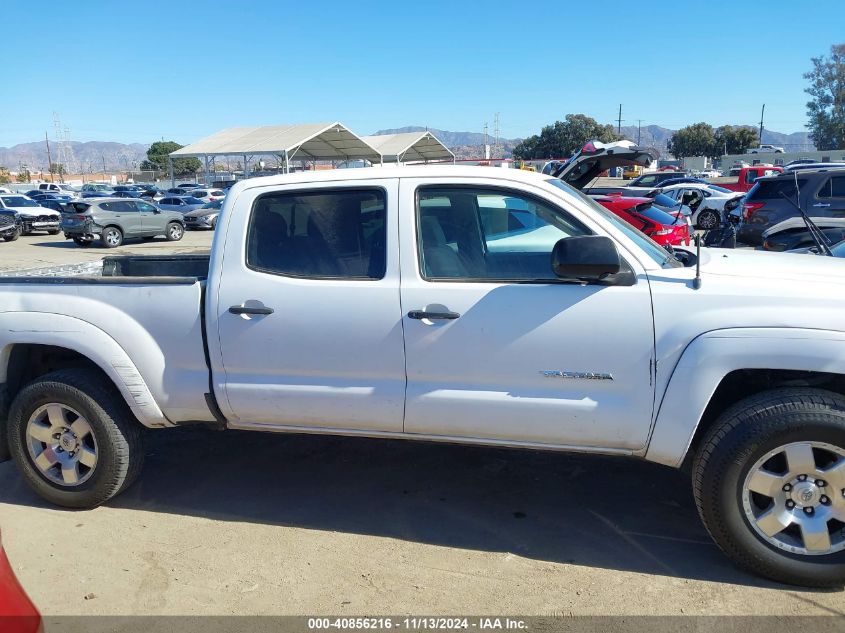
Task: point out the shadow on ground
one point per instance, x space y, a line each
612 513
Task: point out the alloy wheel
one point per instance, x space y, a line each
794 498
61 444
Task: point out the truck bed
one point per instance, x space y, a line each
151 306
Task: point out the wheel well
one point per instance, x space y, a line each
742 383
26 362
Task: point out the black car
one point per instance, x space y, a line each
56 204
10 225
655 179
820 192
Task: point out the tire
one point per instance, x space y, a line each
174 232
213 224
112 431
14 236
112 237
707 220
734 449
82 241
54 232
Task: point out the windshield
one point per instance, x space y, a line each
656 215
720 189
19 201
213 205
651 248
661 199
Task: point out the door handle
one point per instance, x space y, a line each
422 314
819 204
250 310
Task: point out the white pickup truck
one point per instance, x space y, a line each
455 304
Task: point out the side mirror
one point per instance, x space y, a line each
587 258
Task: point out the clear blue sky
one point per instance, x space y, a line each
139 71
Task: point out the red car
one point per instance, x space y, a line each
662 227
17 613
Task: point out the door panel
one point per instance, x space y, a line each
523 362
330 355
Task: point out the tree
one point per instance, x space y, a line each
57 168
730 139
697 139
5 176
564 138
157 159
826 110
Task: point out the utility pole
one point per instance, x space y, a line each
619 122
49 160
761 123
103 156
496 134
639 129
486 143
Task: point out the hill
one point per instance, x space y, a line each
87 157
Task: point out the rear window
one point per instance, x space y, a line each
656 215
833 188
770 189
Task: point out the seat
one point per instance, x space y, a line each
439 260
268 249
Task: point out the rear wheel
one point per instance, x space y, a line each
769 483
53 232
708 220
74 439
174 232
111 237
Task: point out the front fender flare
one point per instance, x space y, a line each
712 356
39 328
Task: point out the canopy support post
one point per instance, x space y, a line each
170 169
287 163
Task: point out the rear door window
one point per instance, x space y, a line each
833 188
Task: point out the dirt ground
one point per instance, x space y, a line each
245 523
229 523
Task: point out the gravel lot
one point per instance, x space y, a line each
247 523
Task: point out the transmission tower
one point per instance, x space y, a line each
64 152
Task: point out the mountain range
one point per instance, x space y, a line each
84 157
89 156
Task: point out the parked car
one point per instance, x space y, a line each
205 217
743 178
34 217
189 186
793 233
127 194
654 179
11 226
799 161
182 204
814 165
643 215
178 191
17 613
96 187
58 187
208 195
822 195
600 342
113 220
54 204
40 197
682 181
710 204
762 149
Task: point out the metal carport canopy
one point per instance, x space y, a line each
409 146
311 141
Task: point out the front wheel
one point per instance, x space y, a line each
53 232
15 235
174 232
74 439
769 483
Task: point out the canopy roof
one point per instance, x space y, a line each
311 141
409 146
